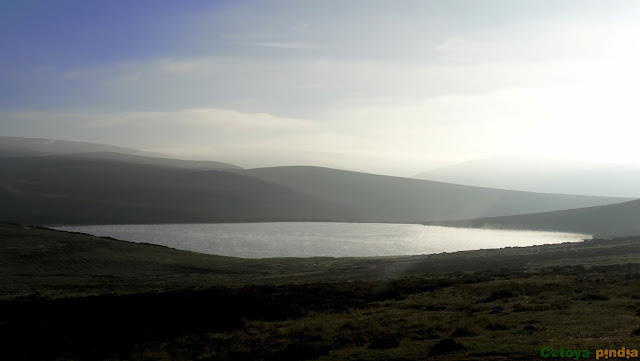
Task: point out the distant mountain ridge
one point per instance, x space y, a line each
24 147
100 186
543 175
137 159
17 146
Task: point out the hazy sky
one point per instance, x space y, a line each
392 87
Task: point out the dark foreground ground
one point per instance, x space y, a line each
67 296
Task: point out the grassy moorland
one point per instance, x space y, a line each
69 296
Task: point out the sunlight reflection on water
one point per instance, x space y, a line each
311 239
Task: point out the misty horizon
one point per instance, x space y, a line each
502 162
394 89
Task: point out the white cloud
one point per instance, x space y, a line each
234 121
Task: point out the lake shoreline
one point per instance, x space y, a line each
321 239
151 302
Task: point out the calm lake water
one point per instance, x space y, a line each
310 239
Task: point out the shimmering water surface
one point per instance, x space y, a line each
310 239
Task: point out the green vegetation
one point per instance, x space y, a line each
69 296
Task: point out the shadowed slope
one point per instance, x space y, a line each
67 190
603 221
107 187
379 198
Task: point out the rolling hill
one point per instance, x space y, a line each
61 182
24 147
138 159
377 198
70 190
63 189
602 221
18 146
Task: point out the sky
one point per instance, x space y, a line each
387 87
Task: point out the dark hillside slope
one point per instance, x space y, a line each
81 189
379 198
603 221
60 190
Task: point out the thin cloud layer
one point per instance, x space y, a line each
393 89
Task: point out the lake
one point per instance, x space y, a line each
312 239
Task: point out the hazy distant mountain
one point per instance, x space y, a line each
613 220
72 190
542 175
73 182
16 146
21 147
165 162
377 198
